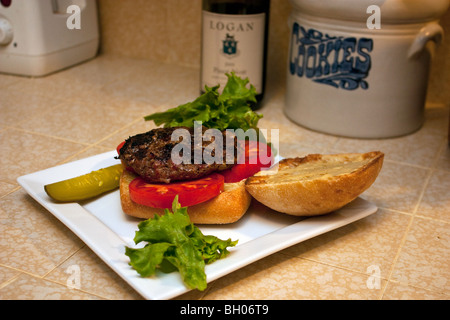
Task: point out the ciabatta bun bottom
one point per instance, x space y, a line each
315 184
228 207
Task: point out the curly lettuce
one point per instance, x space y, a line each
176 244
229 110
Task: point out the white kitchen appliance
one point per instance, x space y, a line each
38 37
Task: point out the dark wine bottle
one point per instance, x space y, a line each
234 38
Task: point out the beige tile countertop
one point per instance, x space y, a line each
89 109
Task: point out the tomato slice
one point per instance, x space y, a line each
256 156
189 192
120 147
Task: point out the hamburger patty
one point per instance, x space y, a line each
150 156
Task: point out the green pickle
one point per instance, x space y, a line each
86 186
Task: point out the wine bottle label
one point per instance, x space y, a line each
232 43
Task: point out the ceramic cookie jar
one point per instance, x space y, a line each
359 68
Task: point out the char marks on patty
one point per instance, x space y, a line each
150 156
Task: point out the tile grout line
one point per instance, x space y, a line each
98 143
346 269
85 144
117 131
17 188
58 103
73 156
388 277
11 280
75 289
412 214
440 152
397 255
57 265
49 136
43 277
419 287
44 94
431 170
408 228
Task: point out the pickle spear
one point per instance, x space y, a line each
86 186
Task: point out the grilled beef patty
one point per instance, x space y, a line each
150 156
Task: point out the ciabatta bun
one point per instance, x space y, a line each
315 184
228 207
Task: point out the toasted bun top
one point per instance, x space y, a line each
315 184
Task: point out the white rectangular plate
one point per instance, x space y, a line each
103 226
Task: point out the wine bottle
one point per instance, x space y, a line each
234 38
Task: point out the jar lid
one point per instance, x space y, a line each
391 11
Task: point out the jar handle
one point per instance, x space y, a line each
431 32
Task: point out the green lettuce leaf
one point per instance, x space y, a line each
139 258
174 243
211 247
229 110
